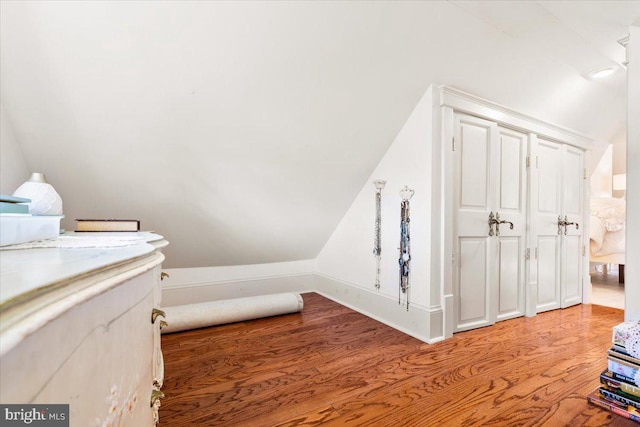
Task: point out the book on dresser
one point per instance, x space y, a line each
13 199
13 208
13 204
97 225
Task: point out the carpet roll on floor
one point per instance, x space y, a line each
192 316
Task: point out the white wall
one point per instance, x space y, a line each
346 264
602 175
13 166
619 157
632 268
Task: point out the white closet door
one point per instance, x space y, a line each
512 206
559 248
474 177
572 243
549 202
489 177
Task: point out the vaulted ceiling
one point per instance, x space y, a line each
242 131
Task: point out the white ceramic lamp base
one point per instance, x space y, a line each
44 198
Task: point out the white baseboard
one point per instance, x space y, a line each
202 284
188 277
414 322
203 292
436 324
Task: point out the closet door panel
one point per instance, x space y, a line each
512 152
548 162
548 274
473 292
475 148
510 297
512 206
572 271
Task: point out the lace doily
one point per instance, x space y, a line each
78 242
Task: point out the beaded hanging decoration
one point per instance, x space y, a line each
405 248
377 242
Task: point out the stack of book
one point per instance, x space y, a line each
619 389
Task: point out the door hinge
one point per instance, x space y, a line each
535 253
527 254
585 173
584 250
453 143
528 161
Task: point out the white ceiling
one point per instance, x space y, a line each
242 131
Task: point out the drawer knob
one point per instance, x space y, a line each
156 395
155 313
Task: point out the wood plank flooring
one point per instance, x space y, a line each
331 366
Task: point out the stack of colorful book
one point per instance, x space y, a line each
619 389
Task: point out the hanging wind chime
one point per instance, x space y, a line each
405 249
377 241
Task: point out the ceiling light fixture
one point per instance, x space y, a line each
603 73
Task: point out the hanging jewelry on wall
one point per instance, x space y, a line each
405 249
377 240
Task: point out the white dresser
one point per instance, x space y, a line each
78 327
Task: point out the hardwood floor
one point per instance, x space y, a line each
331 366
606 289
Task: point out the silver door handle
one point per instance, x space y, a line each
497 221
560 225
564 223
492 221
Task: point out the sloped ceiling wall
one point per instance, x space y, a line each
13 167
242 131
